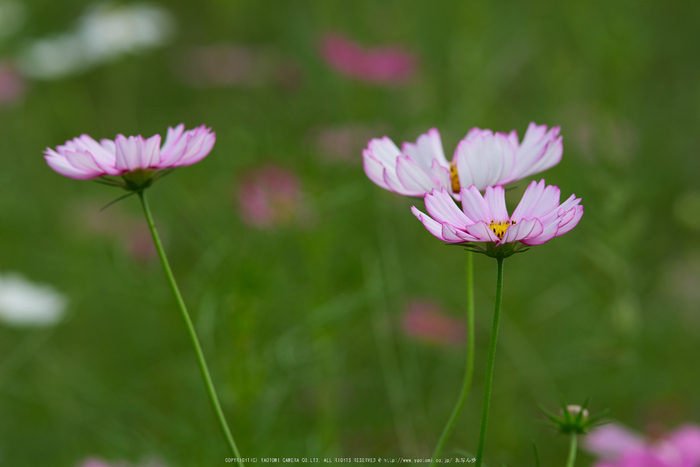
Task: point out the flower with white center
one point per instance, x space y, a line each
136 159
538 218
23 303
483 158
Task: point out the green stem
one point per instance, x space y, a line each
190 328
466 385
572 451
489 366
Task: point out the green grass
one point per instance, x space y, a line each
299 324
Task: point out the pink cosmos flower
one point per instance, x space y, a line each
538 218
619 447
270 196
425 321
83 158
379 65
482 159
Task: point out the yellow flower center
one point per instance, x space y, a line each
500 227
454 177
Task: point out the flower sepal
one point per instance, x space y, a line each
503 250
135 181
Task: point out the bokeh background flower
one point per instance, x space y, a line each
24 303
304 324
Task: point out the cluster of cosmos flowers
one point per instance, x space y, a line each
483 161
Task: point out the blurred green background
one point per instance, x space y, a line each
301 320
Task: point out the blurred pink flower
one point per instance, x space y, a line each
83 158
271 196
538 218
12 85
425 321
379 65
618 447
139 242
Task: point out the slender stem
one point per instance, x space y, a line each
466 385
572 451
489 366
190 328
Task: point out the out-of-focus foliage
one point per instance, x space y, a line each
301 318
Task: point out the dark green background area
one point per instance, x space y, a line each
301 324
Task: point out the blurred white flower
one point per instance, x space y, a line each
109 31
53 58
104 33
12 15
23 303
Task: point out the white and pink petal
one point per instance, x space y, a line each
413 178
433 227
443 209
426 150
474 206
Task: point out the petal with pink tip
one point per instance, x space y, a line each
495 198
484 159
433 227
549 231
426 150
540 150
149 152
374 169
413 178
198 147
520 231
565 227
82 160
385 151
127 153
442 208
538 201
527 203
474 206
174 143
63 167
188 148
442 174
451 234
481 232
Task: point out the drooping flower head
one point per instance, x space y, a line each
538 218
618 447
135 159
483 158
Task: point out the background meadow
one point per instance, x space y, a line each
331 319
